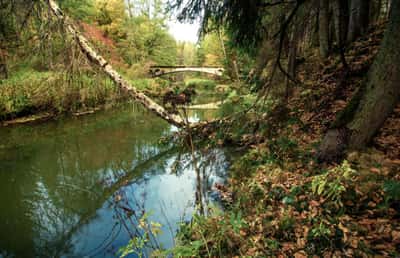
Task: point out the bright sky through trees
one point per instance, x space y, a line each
184 31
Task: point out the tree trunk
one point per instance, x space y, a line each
359 19
3 64
221 40
236 69
324 28
380 96
130 6
107 68
364 15
292 57
388 7
376 8
383 85
341 14
340 11
3 71
314 39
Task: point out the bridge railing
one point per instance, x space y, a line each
156 71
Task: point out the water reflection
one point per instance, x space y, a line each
77 187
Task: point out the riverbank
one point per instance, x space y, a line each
30 92
281 202
30 95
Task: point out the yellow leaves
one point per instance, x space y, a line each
301 235
354 243
111 15
301 242
257 238
395 236
343 228
155 228
212 60
242 233
300 254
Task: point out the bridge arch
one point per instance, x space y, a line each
156 71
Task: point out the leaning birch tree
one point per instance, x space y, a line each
123 84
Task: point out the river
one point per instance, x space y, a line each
76 187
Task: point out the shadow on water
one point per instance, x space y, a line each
78 186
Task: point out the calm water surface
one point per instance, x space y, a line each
76 187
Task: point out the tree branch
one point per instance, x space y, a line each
124 85
281 34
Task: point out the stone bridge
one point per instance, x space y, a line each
156 71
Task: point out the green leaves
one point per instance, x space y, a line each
237 221
79 9
332 184
134 246
147 41
321 231
392 190
288 200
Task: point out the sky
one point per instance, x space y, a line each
184 31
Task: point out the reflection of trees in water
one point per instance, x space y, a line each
212 166
59 183
54 178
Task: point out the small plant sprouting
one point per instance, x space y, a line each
332 184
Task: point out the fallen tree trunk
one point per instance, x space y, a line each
124 85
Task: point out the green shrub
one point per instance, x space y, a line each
332 185
28 91
201 84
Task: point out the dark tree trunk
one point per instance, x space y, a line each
341 14
324 28
359 19
376 8
3 65
3 71
380 95
293 45
383 86
292 56
364 15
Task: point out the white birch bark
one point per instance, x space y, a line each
124 85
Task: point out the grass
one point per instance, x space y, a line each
152 86
201 84
28 91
